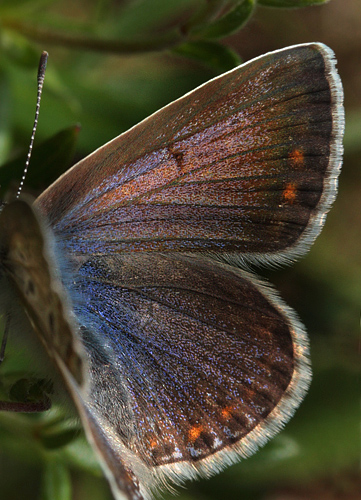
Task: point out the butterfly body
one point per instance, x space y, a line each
189 361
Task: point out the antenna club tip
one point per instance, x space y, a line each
42 63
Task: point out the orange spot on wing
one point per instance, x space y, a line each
195 432
227 412
289 193
297 157
153 443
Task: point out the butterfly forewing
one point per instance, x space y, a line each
246 164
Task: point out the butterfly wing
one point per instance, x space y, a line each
245 164
212 363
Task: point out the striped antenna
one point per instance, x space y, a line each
41 76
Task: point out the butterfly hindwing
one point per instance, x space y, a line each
207 355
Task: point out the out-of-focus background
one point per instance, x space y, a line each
317 456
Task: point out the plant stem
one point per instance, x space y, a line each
77 41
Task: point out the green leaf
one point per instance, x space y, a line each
56 481
48 161
206 13
229 23
291 3
211 53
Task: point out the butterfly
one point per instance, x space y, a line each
133 269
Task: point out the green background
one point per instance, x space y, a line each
317 456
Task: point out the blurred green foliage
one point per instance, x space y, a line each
112 63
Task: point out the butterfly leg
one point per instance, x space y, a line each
26 406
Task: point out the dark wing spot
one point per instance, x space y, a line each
178 157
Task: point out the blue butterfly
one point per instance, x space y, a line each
129 269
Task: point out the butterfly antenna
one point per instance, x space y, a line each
41 76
